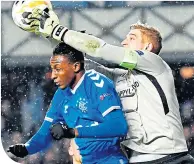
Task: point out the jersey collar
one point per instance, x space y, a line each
78 84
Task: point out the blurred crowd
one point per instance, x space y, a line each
25 96
26 93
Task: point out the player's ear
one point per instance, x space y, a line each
149 47
77 67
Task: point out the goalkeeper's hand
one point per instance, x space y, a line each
61 130
19 150
49 24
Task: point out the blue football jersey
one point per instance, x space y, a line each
86 105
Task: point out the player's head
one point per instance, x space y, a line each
143 37
67 65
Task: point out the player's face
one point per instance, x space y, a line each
62 71
134 40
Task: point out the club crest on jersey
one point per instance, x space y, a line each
81 104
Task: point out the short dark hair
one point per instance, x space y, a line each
71 53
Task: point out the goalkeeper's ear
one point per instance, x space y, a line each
149 47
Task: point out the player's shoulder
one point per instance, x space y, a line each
57 98
60 94
151 60
97 79
57 94
147 54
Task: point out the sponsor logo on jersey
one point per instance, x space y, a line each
96 78
128 92
104 95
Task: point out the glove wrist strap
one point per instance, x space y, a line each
70 132
59 32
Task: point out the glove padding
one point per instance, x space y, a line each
30 21
48 23
19 150
61 130
30 25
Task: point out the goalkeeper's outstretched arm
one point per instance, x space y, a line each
91 45
98 48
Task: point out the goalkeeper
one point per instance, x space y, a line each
85 107
146 89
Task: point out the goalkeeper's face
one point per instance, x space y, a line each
134 40
62 71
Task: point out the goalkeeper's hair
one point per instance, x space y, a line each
150 34
70 53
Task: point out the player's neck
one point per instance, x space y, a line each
77 78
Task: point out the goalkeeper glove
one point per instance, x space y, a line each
49 24
61 130
30 25
19 150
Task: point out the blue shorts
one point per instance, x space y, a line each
111 158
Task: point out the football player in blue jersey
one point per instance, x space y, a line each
85 107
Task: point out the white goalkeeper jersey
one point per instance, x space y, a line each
150 105
147 94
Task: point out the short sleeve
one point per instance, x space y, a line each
106 98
